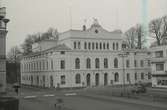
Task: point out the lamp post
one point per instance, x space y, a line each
123 55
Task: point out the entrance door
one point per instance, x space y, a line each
88 79
97 79
105 79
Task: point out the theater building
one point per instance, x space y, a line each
85 58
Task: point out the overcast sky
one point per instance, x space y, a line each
31 16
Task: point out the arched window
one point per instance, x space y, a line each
96 45
75 45
97 63
85 45
113 46
77 78
77 63
117 46
116 77
105 63
115 63
88 63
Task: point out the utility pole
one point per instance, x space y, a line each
123 55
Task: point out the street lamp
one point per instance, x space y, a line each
123 55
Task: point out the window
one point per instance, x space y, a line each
96 45
96 31
77 63
88 63
149 75
113 46
142 76
159 67
149 63
116 77
135 63
100 46
97 63
104 46
79 45
47 65
108 46
62 64
62 52
127 63
135 76
63 80
128 77
105 63
52 64
117 46
159 54
77 78
89 45
115 63
93 46
85 45
142 63
75 45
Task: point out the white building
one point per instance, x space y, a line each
159 66
87 57
3 32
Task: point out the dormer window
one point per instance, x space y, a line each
96 31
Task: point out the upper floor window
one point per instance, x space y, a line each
88 63
113 46
62 52
135 63
89 45
160 67
135 76
149 75
142 63
107 45
85 45
105 63
115 63
62 64
128 77
117 46
159 54
93 46
75 45
52 64
79 45
96 45
116 77
97 63
149 63
127 63
100 45
77 63
104 46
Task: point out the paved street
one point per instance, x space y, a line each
36 99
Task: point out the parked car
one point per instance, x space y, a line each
139 88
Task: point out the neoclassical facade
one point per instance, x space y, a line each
83 58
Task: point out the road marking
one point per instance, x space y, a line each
70 94
49 95
28 97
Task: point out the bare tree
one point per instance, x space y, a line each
135 37
158 29
14 54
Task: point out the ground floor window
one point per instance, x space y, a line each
162 82
63 80
78 79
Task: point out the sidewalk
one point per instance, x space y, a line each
124 100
